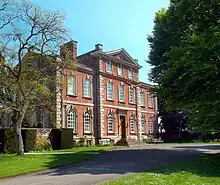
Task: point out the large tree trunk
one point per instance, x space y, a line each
20 149
18 122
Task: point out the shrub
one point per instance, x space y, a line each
42 143
29 139
149 140
82 140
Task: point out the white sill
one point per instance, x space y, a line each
87 96
110 99
71 94
132 103
87 132
121 101
109 72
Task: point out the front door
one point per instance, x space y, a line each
123 126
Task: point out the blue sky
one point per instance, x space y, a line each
113 23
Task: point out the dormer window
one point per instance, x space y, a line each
130 74
109 67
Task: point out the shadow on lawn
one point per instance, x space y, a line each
132 160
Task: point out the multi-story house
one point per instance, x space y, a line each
104 100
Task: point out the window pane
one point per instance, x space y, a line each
131 95
132 124
71 120
71 85
110 91
87 88
121 93
87 122
130 74
150 102
109 66
142 98
143 125
120 70
110 123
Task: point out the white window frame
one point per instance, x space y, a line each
87 115
131 100
120 70
72 119
150 99
89 91
109 67
130 74
132 124
121 95
143 124
111 122
108 93
142 99
72 85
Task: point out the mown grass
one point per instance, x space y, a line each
12 165
204 170
81 149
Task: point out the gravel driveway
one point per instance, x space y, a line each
113 164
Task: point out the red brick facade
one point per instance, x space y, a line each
97 117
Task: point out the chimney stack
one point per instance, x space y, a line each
70 46
98 47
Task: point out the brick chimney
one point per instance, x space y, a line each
71 46
98 47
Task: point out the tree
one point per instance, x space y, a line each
185 60
172 121
31 72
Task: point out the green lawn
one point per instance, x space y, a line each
12 165
82 149
204 170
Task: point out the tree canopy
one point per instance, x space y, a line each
185 59
30 66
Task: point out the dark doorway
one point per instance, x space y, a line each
123 126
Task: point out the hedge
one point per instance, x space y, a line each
189 136
1 140
59 139
55 139
8 141
66 138
29 138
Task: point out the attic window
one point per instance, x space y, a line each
130 74
109 67
120 70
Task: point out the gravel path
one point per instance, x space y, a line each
114 164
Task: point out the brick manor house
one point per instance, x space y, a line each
104 101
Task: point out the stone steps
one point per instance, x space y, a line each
128 142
